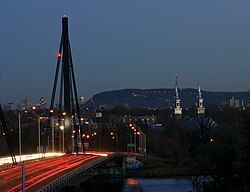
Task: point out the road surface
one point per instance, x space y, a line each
41 172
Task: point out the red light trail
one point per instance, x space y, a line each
41 172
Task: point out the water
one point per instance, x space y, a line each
136 185
158 185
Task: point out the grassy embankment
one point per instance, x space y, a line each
157 168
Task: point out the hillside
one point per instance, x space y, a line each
162 98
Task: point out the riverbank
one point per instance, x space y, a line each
162 168
132 185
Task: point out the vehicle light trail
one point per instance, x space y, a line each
7 160
41 171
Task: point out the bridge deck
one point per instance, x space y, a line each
41 172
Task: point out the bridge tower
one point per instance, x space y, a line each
177 109
67 112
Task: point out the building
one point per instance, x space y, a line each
7 106
81 100
177 108
233 102
200 108
134 119
29 104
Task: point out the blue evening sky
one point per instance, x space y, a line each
120 44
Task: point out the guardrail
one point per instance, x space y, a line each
72 176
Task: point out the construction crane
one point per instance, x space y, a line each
7 136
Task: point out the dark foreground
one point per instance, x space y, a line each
133 185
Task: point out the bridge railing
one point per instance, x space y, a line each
70 177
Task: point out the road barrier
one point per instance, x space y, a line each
72 176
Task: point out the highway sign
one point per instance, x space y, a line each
131 145
86 145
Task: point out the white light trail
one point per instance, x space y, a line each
6 160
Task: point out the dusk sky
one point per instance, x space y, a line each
119 44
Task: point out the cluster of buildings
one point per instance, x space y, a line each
27 104
236 103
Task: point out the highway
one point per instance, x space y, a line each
41 172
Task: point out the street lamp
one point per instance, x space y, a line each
19 133
62 129
115 136
53 134
39 118
20 136
86 144
39 134
100 140
134 131
142 141
135 140
142 138
130 142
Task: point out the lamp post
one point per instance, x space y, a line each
86 144
79 141
39 118
53 134
142 139
130 142
115 136
135 140
20 136
18 114
39 134
100 140
139 142
145 145
133 130
60 140
62 129
72 135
